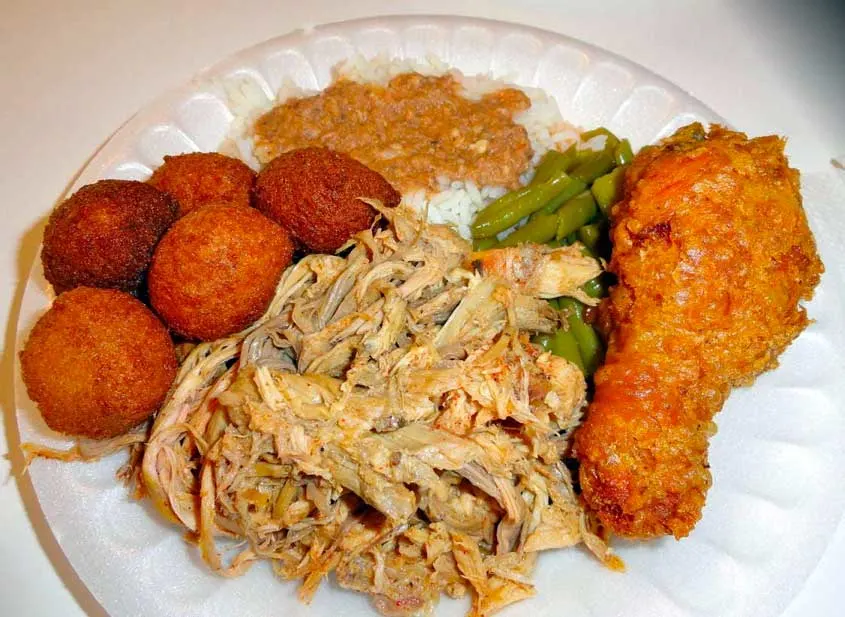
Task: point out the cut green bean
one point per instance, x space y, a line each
496 218
595 288
586 251
575 187
563 344
590 235
608 189
482 244
575 213
538 231
610 143
594 166
623 152
589 342
553 163
544 341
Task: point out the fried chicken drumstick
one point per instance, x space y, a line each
713 253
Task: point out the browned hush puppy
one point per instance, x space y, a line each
104 235
200 178
216 270
315 193
97 363
713 254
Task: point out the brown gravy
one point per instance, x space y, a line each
413 131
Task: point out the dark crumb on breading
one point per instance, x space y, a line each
104 235
315 193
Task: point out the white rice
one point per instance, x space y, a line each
456 202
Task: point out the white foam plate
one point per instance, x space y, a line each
778 460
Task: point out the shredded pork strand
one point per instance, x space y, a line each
387 420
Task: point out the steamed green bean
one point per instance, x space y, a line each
482 244
575 213
608 189
590 235
623 152
539 231
594 166
553 163
589 342
496 217
575 187
563 344
595 288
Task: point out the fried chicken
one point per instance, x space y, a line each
713 253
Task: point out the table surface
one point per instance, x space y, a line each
72 72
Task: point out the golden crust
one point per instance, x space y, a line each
201 178
97 363
216 270
713 254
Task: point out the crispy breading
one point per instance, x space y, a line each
200 178
97 363
316 194
104 235
216 270
713 254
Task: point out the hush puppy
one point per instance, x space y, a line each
97 363
104 235
216 270
315 193
201 178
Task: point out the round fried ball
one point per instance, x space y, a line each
216 270
104 235
201 178
97 363
314 192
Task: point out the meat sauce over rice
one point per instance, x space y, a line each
413 130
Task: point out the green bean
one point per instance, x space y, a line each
518 204
554 244
554 303
589 343
594 166
569 240
608 189
590 235
544 341
563 344
610 143
623 152
482 244
575 213
586 251
575 187
538 231
552 163
595 288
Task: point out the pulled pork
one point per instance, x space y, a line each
387 420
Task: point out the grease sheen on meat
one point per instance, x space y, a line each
713 254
